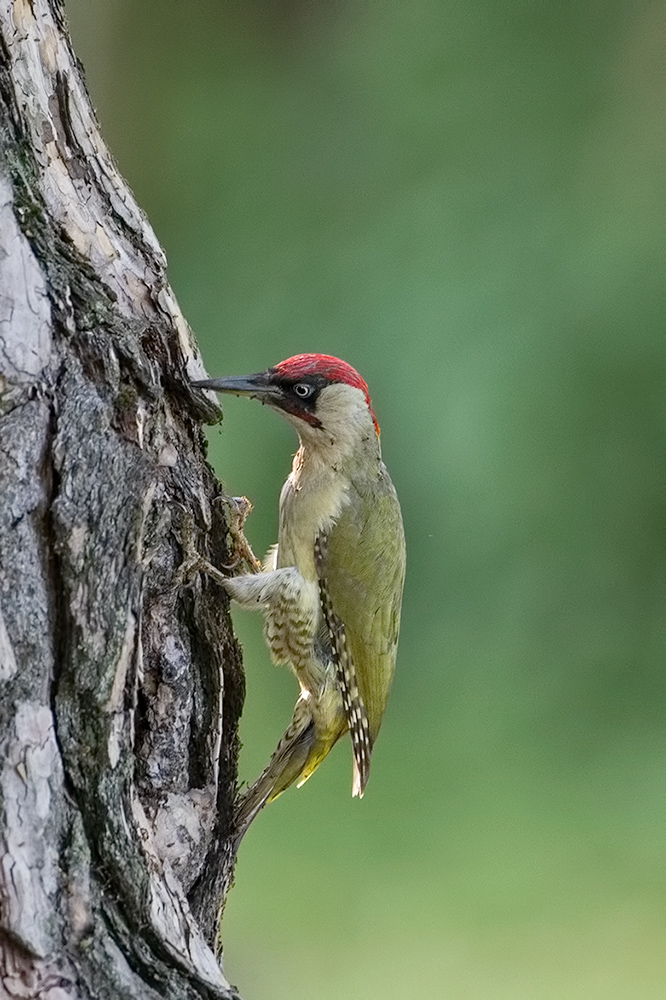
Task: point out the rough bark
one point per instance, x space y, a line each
120 684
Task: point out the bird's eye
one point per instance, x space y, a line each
303 390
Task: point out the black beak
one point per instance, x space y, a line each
259 386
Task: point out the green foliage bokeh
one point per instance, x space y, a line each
467 202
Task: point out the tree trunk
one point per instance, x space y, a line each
120 683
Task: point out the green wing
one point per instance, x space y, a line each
365 574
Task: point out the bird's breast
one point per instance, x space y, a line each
309 505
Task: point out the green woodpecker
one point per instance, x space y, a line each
331 588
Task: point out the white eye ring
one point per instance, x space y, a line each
303 390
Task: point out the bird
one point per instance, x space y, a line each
331 589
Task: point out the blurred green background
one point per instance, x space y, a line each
467 202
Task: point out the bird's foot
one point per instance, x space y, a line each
193 562
244 560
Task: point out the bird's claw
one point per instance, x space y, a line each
193 562
239 508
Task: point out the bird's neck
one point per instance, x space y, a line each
317 490
322 454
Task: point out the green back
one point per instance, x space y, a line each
365 573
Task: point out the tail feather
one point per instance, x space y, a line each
285 766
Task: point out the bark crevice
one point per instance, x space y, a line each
120 685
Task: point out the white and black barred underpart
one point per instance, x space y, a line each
352 700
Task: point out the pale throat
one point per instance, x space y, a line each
347 433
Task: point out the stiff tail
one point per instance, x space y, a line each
285 766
